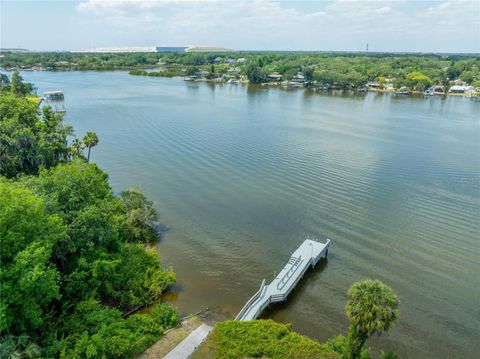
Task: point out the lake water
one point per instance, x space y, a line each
242 175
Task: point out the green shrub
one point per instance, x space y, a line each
101 332
264 338
338 343
165 315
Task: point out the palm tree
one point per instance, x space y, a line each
90 140
372 309
76 147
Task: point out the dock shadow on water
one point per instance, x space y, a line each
311 276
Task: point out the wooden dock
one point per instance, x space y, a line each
308 254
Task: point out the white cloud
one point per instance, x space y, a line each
268 24
315 14
383 10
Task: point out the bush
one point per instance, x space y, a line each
165 315
101 332
338 344
264 338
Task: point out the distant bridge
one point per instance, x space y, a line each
308 254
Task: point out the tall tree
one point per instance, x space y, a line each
18 87
4 83
255 74
308 73
90 140
372 308
76 148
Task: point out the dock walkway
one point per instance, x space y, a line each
308 254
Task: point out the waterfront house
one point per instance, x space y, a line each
62 63
373 84
297 81
298 78
437 89
201 74
459 89
275 77
404 90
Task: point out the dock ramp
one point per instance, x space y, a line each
305 256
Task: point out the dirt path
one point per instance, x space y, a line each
171 339
190 343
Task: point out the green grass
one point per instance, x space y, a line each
260 339
35 99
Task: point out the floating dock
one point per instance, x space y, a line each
305 256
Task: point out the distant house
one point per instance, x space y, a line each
373 84
404 90
459 89
235 70
230 60
217 60
298 78
438 89
62 63
297 81
275 76
241 60
201 74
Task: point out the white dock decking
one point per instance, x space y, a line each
308 254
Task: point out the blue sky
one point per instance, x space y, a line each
396 25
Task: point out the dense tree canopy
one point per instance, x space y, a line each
28 280
73 255
255 74
29 137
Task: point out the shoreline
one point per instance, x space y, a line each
283 84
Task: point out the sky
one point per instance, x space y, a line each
336 25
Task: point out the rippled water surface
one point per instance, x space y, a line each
241 176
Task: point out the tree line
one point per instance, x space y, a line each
341 70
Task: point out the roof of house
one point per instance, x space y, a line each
275 74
